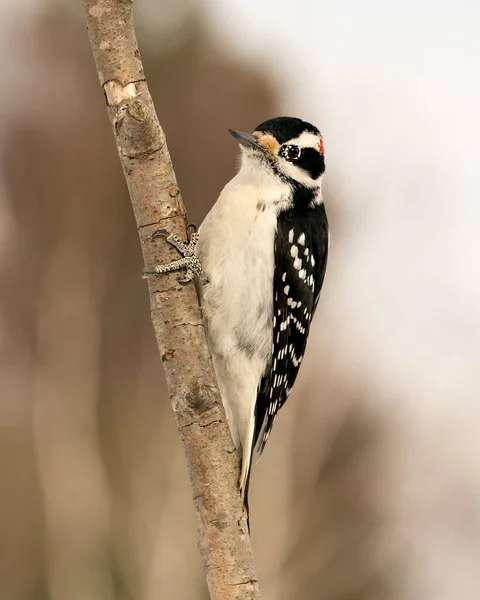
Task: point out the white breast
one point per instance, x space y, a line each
236 249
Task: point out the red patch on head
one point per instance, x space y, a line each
320 146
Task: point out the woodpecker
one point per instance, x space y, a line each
261 255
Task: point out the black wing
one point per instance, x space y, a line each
301 249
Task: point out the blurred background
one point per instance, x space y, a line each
369 486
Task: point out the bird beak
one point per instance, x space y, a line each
246 139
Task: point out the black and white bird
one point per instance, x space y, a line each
261 253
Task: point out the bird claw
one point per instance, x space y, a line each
189 258
189 275
192 231
159 233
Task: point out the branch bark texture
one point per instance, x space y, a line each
213 464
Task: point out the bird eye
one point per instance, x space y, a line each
292 152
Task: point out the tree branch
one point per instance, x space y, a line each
213 464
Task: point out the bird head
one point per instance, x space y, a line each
291 148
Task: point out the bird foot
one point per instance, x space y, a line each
189 260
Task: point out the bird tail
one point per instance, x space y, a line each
246 507
255 438
248 449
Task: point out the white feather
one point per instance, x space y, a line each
306 140
236 249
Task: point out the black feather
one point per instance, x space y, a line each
302 234
286 128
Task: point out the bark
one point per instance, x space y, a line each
212 460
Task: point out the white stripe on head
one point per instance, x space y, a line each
306 140
298 174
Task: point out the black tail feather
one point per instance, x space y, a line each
245 502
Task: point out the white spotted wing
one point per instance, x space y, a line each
301 249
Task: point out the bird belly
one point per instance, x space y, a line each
237 255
